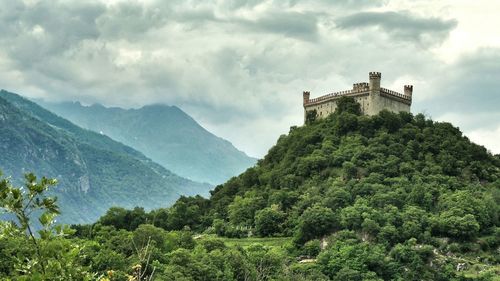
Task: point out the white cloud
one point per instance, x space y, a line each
488 138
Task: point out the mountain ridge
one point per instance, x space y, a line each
90 167
164 133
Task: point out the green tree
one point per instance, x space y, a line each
316 221
346 122
149 234
115 216
311 116
122 218
268 221
183 214
348 104
352 260
242 209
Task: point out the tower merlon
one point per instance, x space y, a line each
375 75
360 86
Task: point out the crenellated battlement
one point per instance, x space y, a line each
336 95
393 94
374 75
371 96
360 86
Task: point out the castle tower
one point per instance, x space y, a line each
374 86
305 100
305 97
408 90
375 78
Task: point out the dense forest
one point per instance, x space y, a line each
348 197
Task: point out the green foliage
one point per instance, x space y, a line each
315 222
353 260
122 218
242 209
148 234
348 104
49 257
186 212
268 221
312 248
311 116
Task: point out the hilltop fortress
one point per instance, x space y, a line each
370 96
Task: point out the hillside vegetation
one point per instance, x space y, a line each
371 175
383 197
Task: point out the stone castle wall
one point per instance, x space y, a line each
371 97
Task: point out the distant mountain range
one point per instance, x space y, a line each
94 171
166 134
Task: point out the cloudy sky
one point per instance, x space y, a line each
239 67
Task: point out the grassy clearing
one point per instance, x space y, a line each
246 242
481 270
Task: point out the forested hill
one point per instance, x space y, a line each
360 169
94 171
393 195
165 134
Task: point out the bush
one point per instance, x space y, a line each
312 248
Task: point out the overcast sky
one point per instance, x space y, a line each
239 67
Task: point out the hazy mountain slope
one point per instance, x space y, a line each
167 135
94 171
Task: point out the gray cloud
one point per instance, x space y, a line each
473 83
401 25
34 34
470 89
347 4
292 24
130 20
238 67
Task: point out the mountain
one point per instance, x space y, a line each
166 134
94 171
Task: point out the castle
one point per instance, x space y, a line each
370 96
